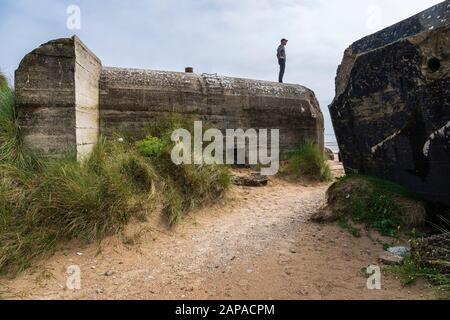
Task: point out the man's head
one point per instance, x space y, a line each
284 41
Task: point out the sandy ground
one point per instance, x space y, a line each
258 244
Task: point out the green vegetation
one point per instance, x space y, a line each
429 260
47 201
394 211
381 205
389 208
11 146
346 224
9 139
307 162
60 200
410 271
3 81
187 186
150 146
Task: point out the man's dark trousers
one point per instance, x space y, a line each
282 63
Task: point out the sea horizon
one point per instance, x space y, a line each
331 142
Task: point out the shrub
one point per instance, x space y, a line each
382 205
309 162
378 210
150 146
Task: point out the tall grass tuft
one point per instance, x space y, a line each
84 204
307 162
9 133
63 201
12 149
3 80
193 186
187 186
47 201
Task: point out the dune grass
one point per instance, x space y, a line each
3 81
48 201
187 186
60 201
307 162
12 149
9 133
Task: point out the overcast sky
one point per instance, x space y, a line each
229 37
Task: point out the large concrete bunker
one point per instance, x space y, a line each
66 99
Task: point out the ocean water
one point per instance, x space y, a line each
331 142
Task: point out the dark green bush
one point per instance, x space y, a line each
150 146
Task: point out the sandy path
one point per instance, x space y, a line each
259 245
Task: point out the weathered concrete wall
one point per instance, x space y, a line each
131 98
57 97
65 99
87 75
45 97
391 112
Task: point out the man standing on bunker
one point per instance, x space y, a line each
281 55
